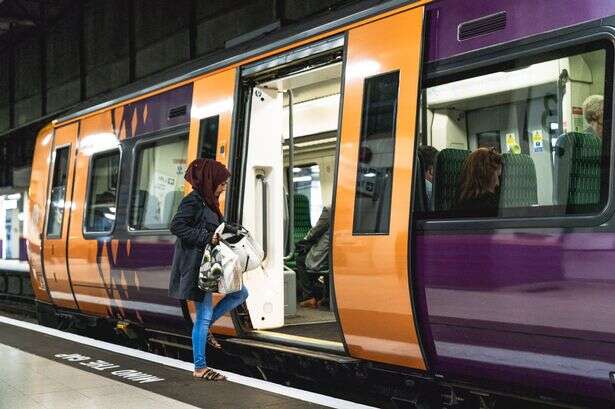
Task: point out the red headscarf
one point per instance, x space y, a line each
205 175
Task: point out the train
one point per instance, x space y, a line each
472 308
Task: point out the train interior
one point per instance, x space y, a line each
293 124
523 113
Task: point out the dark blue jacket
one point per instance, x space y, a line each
193 224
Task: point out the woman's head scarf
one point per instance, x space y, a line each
205 175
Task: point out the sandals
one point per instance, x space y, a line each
211 375
213 342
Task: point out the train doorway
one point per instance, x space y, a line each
289 166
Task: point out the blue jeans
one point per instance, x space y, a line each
205 316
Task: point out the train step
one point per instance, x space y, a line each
342 360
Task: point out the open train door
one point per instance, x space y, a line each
373 195
263 206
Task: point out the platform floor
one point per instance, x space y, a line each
28 381
44 368
14 265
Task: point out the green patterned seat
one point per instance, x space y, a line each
519 188
577 169
303 223
447 171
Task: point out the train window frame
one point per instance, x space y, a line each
67 146
95 234
147 139
366 80
514 56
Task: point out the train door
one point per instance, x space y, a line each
372 210
264 217
58 215
292 105
210 134
93 214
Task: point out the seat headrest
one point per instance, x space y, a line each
447 170
519 186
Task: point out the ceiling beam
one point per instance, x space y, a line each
16 21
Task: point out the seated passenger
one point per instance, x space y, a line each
593 111
479 182
312 258
428 158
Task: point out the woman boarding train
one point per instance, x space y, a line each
194 225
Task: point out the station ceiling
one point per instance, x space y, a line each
17 16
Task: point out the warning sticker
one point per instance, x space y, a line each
512 144
537 141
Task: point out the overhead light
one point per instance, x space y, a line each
302 179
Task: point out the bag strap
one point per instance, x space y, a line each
247 262
236 228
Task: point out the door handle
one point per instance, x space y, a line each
260 178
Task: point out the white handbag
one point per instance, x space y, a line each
231 279
223 265
249 251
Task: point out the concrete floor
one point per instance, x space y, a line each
28 381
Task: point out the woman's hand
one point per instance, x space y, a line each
215 239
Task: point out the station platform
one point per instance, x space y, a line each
13 265
47 368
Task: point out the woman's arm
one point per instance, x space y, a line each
183 221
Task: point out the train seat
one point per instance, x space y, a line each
303 223
577 169
146 211
447 170
519 187
171 203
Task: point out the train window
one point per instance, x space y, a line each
306 183
158 186
208 137
58 192
530 139
376 151
102 193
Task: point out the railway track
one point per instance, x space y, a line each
16 294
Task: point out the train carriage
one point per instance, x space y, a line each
333 116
